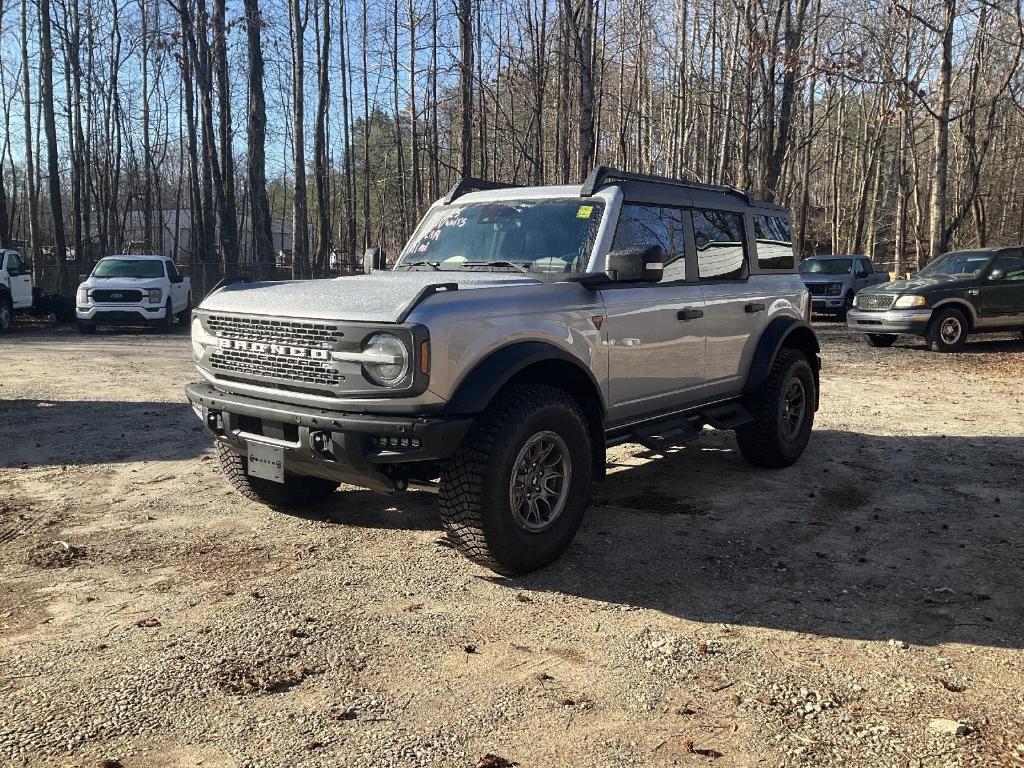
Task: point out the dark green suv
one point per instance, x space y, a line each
960 293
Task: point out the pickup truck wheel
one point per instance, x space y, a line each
513 495
84 327
880 339
847 306
783 411
167 322
295 492
63 309
947 331
6 315
186 314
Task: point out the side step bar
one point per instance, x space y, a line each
675 430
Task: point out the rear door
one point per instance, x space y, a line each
654 333
1002 290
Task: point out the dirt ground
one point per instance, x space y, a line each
707 613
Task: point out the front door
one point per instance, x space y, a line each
21 281
178 297
1002 290
654 333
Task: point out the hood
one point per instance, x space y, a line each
918 283
113 283
381 297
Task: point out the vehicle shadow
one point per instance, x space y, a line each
64 432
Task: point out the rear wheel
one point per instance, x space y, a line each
783 411
880 339
947 331
514 493
295 492
6 315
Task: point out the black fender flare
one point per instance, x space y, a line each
494 371
783 331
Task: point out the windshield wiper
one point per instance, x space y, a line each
435 265
495 264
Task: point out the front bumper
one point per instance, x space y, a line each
909 321
827 303
120 313
369 450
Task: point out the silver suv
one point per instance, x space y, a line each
522 331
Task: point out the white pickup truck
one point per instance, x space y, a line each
133 290
18 295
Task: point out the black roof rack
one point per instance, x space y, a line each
604 174
469 184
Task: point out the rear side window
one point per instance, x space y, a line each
774 243
1011 265
645 225
720 248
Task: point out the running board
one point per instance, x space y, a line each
674 431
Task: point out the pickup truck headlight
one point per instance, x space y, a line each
909 302
200 339
83 296
834 289
387 359
154 295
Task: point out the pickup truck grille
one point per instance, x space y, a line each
259 329
875 300
114 296
244 363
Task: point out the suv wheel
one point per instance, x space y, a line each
513 495
6 315
880 339
296 491
947 331
783 411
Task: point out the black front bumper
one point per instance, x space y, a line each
357 448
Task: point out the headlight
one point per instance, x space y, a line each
856 299
200 339
834 289
909 302
83 295
154 295
387 359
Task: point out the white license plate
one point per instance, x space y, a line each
266 461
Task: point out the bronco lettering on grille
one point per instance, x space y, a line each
274 349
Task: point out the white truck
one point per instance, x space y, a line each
17 293
133 290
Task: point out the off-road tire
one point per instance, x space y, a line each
475 503
880 339
6 315
294 493
86 328
763 442
186 314
166 323
938 340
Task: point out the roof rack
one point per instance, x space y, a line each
604 174
469 184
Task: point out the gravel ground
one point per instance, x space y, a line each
863 608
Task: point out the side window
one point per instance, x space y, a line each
720 248
1011 264
172 271
774 243
13 264
654 225
863 268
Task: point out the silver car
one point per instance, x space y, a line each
521 332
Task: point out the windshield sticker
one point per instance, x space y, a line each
584 212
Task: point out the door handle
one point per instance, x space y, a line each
754 306
688 314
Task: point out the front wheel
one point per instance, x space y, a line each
6 315
167 322
847 306
295 492
85 327
185 315
783 411
947 331
514 493
880 339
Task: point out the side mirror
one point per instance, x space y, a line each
373 259
996 274
636 264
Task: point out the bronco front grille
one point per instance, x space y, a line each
875 300
246 363
261 329
108 296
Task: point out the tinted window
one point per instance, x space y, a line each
172 271
645 225
774 242
1011 264
863 268
958 263
719 239
13 262
137 268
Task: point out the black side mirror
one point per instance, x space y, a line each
996 274
373 259
636 264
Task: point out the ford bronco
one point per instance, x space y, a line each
521 332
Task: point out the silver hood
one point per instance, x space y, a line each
382 297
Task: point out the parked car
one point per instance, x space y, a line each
521 332
958 294
833 281
133 290
17 294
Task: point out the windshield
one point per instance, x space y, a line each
547 237
958 263
128 268
825 266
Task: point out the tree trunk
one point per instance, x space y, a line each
256 161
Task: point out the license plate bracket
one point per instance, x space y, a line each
266 461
